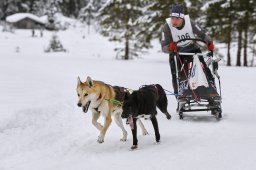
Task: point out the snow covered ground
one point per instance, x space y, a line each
42 128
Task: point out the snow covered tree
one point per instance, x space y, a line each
71 8
87 14
157 12
1 13
248 21
55 45
244 17
220 21
119 22
194 9
53 7
8 7
98 4
37 7
232 20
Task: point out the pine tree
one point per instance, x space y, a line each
233 20
239 27
39 8
119 22
71 8
220 21
248 22
87 14
229 8
194 8
252 31
158 11
36 7
8 7
239 46
52 7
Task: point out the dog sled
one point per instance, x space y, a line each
196 74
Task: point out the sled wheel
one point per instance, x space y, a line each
213 112
218 114
181 115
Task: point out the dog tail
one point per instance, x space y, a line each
160 90
162 101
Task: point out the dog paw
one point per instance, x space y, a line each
123 140
134 147
157 142
168 117
100 139
144 133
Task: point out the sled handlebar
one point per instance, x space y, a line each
199 54
193 39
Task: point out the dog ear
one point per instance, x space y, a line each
89 81
78 81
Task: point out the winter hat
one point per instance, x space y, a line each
177 11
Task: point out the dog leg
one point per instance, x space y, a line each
134 135
168 116
144 130
155 125
107 122
95 117
119 123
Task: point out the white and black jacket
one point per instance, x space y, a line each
193 31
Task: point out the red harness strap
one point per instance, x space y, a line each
196 98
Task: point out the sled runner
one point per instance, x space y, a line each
196 73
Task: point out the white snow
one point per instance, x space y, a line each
19 16
61 19
42 128
207 4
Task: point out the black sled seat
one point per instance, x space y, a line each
201 98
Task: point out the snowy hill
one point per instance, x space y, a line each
42 128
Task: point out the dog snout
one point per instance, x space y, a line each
79 104
125 114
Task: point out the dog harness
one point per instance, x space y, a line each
152 85
131 116
100 96
97 108
157 91
120 93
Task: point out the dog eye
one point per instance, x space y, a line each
85 94
78 95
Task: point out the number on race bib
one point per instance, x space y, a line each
182 37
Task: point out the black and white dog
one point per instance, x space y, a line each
143 102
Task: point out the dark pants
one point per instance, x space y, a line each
185 59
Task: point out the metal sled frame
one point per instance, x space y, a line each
189 104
